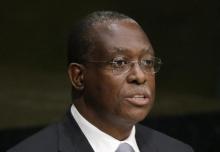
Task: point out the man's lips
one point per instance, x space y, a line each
138 99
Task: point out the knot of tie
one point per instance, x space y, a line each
124 147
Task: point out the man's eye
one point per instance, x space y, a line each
149 63
119 63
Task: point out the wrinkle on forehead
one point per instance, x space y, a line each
144 50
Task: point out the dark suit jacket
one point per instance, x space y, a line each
66 136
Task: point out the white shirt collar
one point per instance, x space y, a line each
99 140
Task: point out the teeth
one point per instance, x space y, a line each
138 96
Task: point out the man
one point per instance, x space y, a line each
112 69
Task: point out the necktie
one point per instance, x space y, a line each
124 147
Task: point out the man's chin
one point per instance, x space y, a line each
136 117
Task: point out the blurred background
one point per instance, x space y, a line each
34 87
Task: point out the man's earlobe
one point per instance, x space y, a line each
76 75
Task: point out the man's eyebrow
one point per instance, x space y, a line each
145 50
148 50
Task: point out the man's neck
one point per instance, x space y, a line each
119 129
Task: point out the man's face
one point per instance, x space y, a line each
119 98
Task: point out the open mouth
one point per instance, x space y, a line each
138 100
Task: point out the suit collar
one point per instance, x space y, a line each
144 138
71 137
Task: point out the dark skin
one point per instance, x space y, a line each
109 101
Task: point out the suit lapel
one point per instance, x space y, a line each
71 138
144 139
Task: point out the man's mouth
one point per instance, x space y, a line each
138 100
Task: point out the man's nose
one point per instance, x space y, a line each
136 74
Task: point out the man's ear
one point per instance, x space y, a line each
76 75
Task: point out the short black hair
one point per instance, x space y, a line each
80 42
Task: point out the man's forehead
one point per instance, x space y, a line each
148 49
128 51
110 26
125 30
120 37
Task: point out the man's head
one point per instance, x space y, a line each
81 39
114 71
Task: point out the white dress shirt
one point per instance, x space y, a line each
99 140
